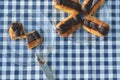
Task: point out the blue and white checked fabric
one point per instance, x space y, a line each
98 59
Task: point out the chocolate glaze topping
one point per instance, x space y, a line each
36 35
31 38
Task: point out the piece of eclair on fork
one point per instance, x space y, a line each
16 30
33 39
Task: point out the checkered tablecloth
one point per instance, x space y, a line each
98 59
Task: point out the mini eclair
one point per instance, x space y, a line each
95 26
69 25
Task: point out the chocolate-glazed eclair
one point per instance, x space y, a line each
90 6
34 39
69 25
69 6
16 30
95 26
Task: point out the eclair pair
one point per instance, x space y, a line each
17 31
